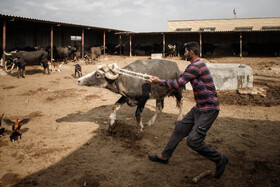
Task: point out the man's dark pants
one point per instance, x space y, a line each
194 125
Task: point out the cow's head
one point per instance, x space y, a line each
11 61
100 77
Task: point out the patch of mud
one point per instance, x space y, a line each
60 94
9 179
31 115
121 129
3 142
233 98
36 114
34 92
90 179
67 77
92 96
8 87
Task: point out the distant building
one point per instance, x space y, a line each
238 24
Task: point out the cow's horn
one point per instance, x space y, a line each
13 66
114 67
111 75
7 54
105 68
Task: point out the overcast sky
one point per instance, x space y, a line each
139 15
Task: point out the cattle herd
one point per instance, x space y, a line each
22 57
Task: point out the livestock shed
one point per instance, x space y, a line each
20 33
217 37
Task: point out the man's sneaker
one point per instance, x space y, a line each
221 167
155 158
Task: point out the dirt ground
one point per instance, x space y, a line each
66 143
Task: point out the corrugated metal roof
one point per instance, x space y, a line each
122 32
9 17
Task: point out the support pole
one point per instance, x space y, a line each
120 45
240 44
104 42
83 43
51 43
4 42
163 44
130 52
200 44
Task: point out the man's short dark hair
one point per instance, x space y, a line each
193 46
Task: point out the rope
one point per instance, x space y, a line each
115 68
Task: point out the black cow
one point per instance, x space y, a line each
96 52
208 49
171 50
64 53
23 58
77 55
136 91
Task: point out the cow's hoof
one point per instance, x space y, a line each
109 132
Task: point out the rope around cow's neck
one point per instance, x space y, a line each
115 68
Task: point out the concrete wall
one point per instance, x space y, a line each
230 76
224 24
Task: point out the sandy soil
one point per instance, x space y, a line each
66 143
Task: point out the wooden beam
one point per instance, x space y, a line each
4 41
51 43
130 51
200 44
83 43
104 42
120 45
240 44
163 43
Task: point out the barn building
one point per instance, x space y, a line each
218 37
24 33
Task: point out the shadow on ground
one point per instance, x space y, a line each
120 159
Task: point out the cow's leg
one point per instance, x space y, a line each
159 107
19 72
23 72
178 95
113 115
46 67
139 110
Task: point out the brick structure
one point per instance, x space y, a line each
238 24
